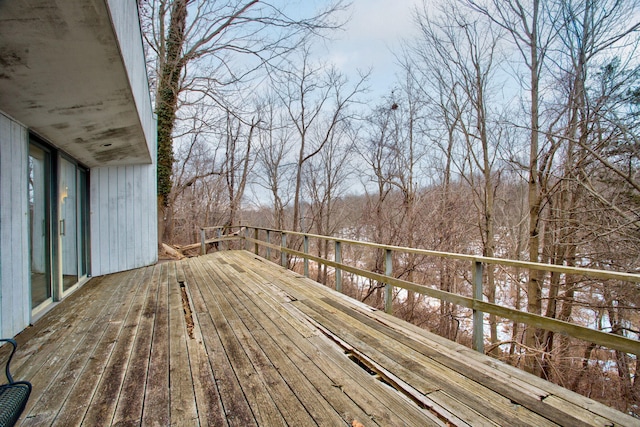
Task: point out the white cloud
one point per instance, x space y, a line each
373 33
381 20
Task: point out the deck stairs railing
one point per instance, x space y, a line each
254 238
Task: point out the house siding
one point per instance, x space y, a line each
15 308
123 218
122 190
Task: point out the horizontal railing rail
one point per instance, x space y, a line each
477 266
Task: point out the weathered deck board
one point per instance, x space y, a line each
267 347
505 394
156 388
70 357
78 401
182 397
259 349
105 398
131 398
510 388
233 401
209 404
340 374
310 388
257 394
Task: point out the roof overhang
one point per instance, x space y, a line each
62 74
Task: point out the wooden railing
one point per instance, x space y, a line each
477 265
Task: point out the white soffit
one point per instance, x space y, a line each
62 75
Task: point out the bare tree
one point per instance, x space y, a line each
317 100
237 162
377 212
326 183
530 27
456 55
591 34
440 95
195 45
276 166
405 151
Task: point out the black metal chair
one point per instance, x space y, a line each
13 395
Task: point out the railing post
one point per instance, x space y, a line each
305 245
283 255
219 236
203 245
478 321
256 247
338 259
268 243
388 288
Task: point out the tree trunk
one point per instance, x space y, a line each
534 289
166 107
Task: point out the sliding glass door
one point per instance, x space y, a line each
58 223
72 208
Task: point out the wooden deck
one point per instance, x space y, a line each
231 339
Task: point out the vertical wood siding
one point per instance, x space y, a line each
15 307
123 198
123 218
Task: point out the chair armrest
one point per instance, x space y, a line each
15 347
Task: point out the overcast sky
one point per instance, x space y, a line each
371 35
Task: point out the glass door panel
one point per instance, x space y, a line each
39 220
68 223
